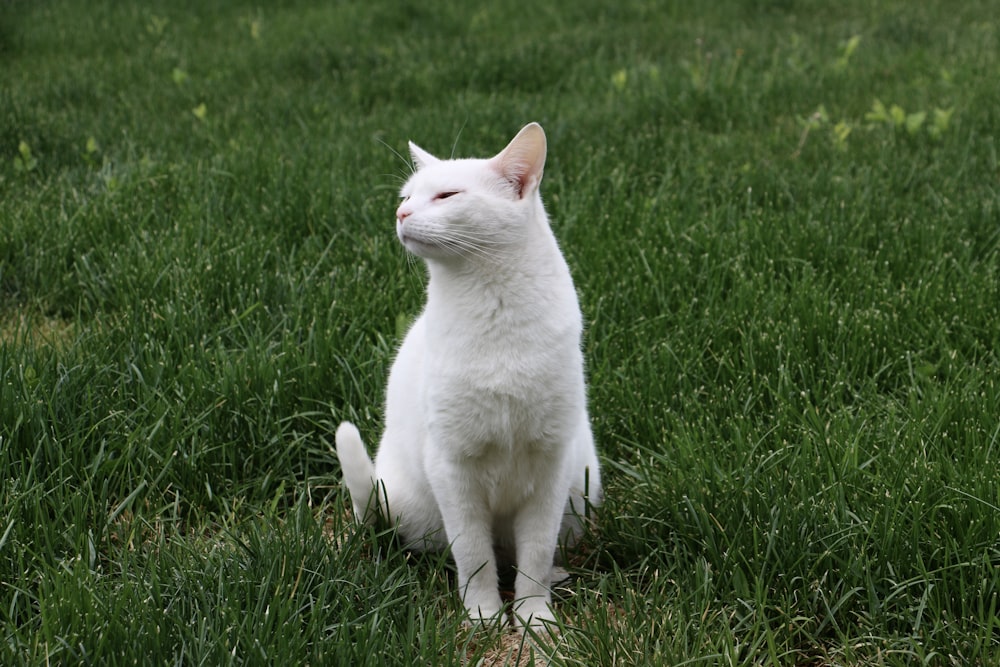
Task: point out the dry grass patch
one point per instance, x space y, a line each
25 326
511 648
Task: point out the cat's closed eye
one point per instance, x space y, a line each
445 195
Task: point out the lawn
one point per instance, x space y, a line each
783 220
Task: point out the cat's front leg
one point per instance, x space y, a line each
469 530
472 549
536 530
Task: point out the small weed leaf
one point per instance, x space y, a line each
403 323
841 131
252 24
619 79
179 76
24 161
878 114
636 78
897 118
200 111
157 25
699 70
30 377
847 50
914 121
816 119
91 151
110 179
940 122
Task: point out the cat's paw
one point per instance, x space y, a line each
558 576
485 616
535 615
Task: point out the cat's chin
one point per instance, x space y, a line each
423 249
419 248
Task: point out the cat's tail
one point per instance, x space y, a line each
359 473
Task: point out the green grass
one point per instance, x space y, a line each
784 224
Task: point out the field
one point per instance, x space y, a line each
783 220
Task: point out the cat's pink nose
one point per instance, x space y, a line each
402 213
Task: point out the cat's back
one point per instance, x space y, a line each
406 380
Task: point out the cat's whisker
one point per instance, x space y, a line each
406 161
459 247
489 241
473 246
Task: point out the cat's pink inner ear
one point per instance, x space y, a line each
523 161
421 158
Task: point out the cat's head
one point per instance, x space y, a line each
472 208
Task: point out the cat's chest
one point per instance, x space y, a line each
513 355
486 423
505 327
502 361
502 391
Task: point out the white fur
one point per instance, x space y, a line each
487 443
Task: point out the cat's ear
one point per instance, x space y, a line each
421 158
523 161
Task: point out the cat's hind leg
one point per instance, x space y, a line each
406 496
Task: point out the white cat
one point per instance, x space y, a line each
487 446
